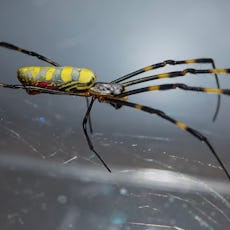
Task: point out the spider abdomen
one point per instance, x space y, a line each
66 78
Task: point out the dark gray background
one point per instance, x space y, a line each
113 38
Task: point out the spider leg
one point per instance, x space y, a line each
174 62
181 74
28 52
90 144
38 89
218 96
89 118
173 74
174 86
167 62
179 124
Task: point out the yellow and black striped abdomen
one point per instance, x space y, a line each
66 78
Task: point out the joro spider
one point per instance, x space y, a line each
68 80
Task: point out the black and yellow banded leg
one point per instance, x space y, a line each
179 124
171 62
90 144
181 74
167 62
174 86
176 74
28 52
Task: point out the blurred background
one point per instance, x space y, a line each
162 177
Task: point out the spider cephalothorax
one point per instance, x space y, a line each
103 88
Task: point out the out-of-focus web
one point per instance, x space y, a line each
196 208
19 137
157 225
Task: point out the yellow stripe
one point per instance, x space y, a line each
181 125
86 76
66 73
213 90
35 71
49 73
147 68
190 61
155 87
73 86
23 69
218 71
67 85
163 75
184 72
137 106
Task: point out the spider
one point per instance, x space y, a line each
68 80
